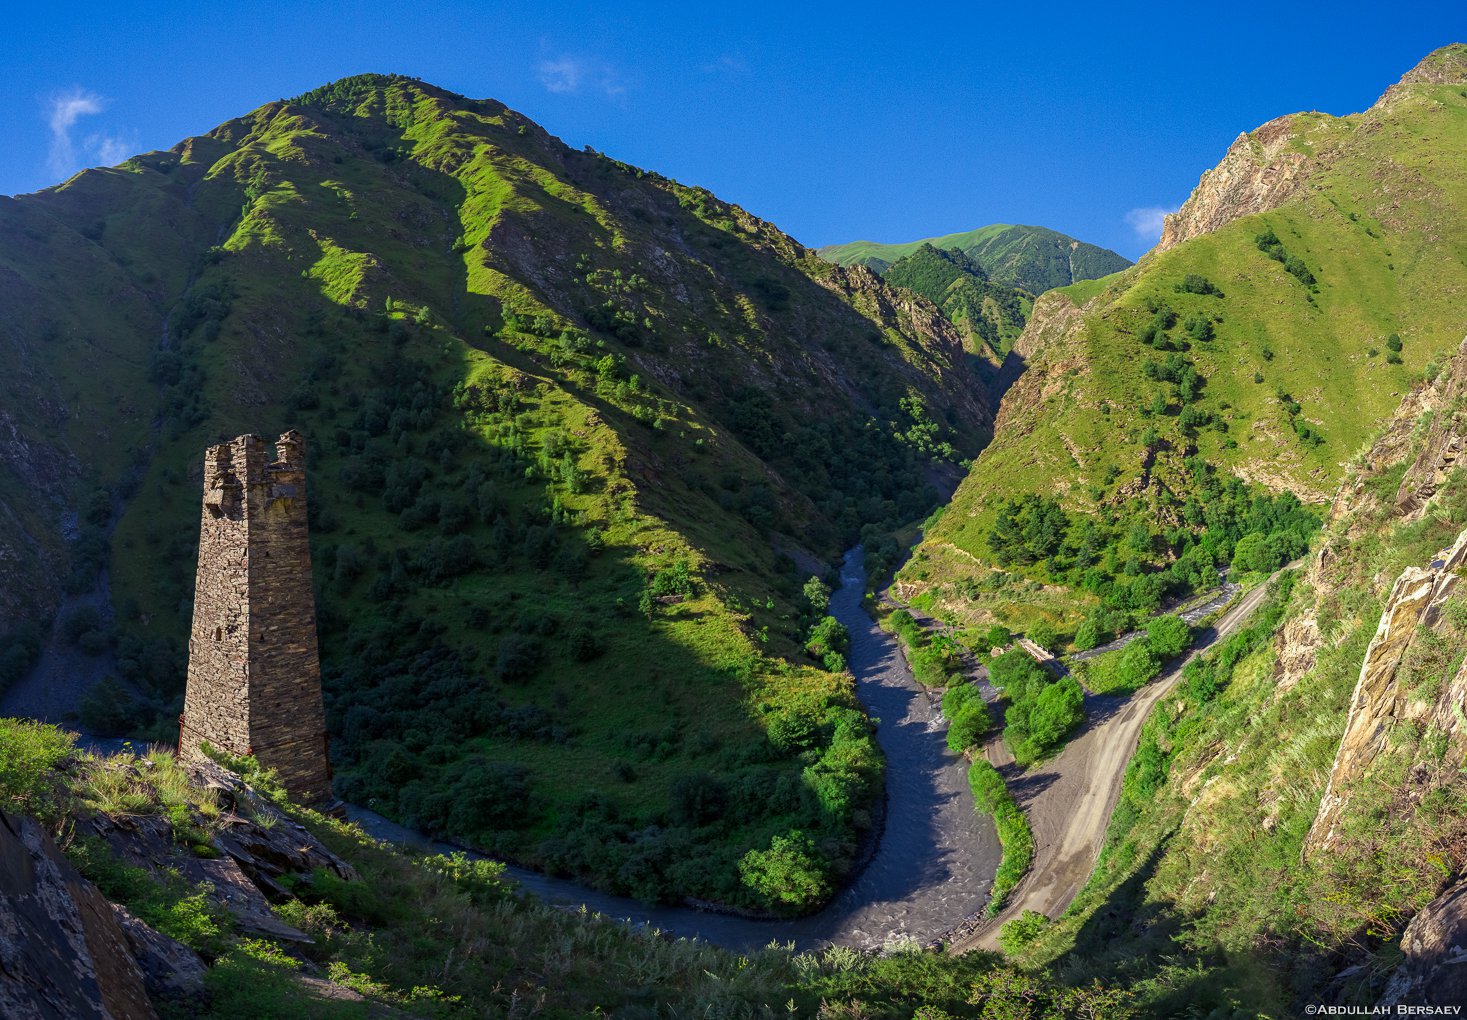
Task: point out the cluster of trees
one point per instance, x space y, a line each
1130 566
1141 660
1268 242
867 475
1028 529
19 648
1042 709
935 658
827 639
1195 283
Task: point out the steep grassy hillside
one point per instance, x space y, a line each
1267 348
991 314
567 422
1032 258
1264 855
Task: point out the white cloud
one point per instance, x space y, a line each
729 63
62 112
1147 221
111 149
568 75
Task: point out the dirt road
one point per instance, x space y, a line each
1069 800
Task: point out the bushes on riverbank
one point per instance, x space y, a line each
1128 669
967 717
991 795
933 657
1043 709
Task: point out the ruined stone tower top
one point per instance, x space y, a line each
254 672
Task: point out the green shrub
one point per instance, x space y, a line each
828 636
791 875
1168 636
1021 931
1138 664
1194 283
1258 553
967 727
1044 634
1057 710
29 755
1089 635
992 796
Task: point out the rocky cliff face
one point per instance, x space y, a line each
1262 170
1441 408
1381 700
1267 167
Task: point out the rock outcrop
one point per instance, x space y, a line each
62 952
259 848
1261 171
1445 442
1380 701
1267 167
1434 972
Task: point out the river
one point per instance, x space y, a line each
936 859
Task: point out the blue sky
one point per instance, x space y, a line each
835 121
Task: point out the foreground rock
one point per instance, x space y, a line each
1435 945
62 951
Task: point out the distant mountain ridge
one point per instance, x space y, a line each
987 312
1035 259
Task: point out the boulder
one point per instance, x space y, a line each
1434 972
63 954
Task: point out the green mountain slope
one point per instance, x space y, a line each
1033 258
561 413
993 315
1267 342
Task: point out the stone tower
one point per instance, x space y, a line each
254 673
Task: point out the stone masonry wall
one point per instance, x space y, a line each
254 675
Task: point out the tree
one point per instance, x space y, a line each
817 594
1138 664
1257 552
968 727
1089 635
1043 634
1058 709
791 873
1393 343
994 637
827 636
1168 635
1027 530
